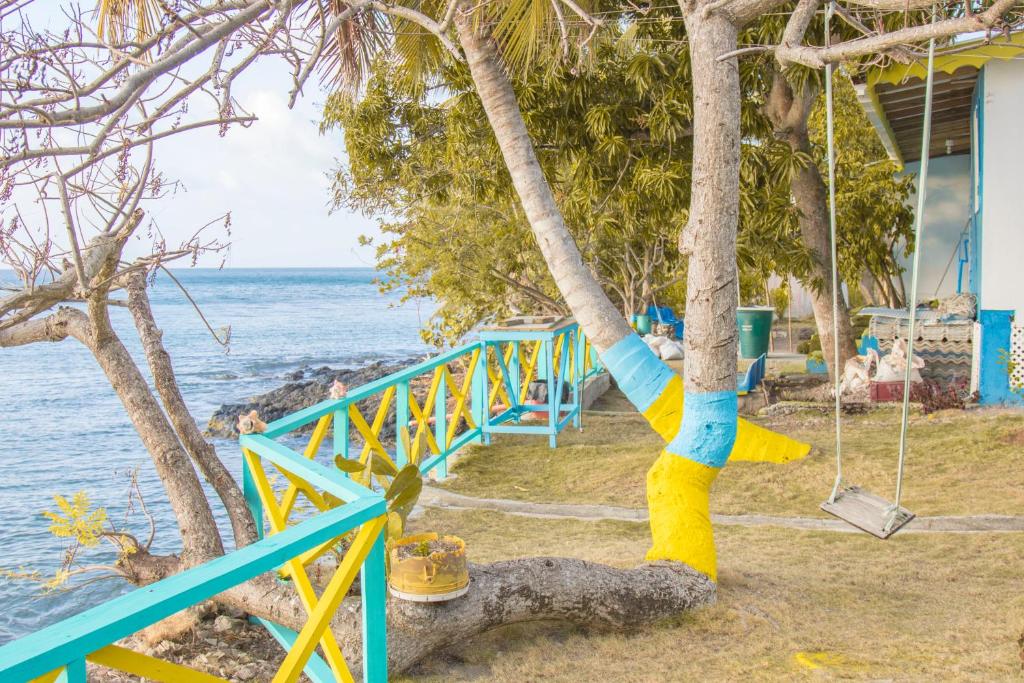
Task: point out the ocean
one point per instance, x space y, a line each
63 430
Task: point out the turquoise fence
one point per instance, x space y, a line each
60 652
424 413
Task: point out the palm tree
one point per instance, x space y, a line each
503 37
493 42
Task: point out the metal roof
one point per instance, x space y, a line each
893 97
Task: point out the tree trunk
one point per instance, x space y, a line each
710 235
598 317
502 593
788 112
200 537
867 288
203 453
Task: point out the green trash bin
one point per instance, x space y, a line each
643 323
755 325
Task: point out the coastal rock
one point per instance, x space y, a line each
225 624
306 387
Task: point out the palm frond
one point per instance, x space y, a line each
121 21
349 50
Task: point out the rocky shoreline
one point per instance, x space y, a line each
304 388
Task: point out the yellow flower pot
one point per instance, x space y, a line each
428 568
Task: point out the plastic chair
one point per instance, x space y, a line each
748 381
664 315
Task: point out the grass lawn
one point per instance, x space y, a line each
793 605
958 463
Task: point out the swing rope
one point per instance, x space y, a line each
830 120
893 510
922 192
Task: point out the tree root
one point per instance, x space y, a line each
502 593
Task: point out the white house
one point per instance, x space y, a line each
978 110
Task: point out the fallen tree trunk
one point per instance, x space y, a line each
502 593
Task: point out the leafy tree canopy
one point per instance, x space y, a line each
613 136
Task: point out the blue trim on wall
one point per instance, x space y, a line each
994 378
974 257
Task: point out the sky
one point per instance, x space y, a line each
272 177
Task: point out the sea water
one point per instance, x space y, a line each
63 430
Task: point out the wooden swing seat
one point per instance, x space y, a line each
866 511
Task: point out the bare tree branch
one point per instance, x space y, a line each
817 57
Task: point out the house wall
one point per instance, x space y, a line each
998 231
1001 280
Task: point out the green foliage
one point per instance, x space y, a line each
402 487
780 300
872 200
810 346
613 137
612 133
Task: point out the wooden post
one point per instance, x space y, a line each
479 397
549 361
374 592
341 440
252 498
74 673
577 377
515 375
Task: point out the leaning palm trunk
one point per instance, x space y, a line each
679 483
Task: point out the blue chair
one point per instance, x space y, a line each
664 315
867 342
816 367
748 381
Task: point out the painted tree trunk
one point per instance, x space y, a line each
678 487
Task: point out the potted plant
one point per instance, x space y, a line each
428 568
816 363
423 567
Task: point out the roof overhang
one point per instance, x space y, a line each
893 98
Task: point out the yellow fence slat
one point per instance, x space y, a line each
498 380
294 567
530 368
151 668
422 415
317 438
462 406
316 628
